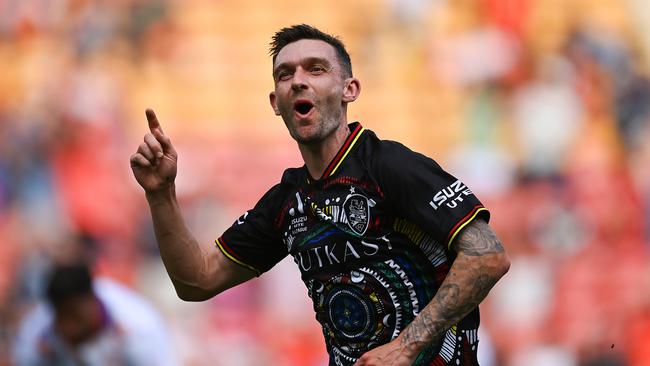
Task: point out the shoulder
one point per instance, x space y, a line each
38 318
146 335
277 194
291 177
31 329
386 156
128 308
115 295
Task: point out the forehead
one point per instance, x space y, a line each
73 305
295 52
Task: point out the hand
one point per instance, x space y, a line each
390 354
154 164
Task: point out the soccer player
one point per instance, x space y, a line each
91 322
395 252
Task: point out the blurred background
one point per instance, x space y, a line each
541 106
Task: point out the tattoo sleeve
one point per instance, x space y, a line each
480 263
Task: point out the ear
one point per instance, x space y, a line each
351 90
274 105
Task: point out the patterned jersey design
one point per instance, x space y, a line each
371 239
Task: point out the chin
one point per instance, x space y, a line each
306 136
307 140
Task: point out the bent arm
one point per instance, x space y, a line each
197 272
480 263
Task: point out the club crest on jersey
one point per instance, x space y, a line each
357 210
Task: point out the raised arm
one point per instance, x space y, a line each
480 263
197 272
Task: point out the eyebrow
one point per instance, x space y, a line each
308 60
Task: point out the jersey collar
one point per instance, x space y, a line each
355 132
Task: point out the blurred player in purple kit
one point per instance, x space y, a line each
91 322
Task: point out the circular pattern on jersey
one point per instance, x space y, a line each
363 308
351 313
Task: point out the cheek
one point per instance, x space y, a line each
283 104
71 329
333 102
285 108
282 93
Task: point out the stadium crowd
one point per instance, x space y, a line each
542 106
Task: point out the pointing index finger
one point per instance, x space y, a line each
153 120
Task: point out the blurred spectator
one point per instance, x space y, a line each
91 322
547 115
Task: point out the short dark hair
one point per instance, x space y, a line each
303 31
68 281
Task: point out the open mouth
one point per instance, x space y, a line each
303 107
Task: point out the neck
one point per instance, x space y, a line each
318 156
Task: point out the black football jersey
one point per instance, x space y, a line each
371 238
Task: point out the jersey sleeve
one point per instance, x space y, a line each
252 241
422 192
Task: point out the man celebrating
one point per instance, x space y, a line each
395 252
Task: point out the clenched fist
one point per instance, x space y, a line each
154 164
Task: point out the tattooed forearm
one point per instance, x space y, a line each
480 263
427 327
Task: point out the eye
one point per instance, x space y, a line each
317 69
284 75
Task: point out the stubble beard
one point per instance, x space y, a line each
326 127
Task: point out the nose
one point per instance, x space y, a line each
299 80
